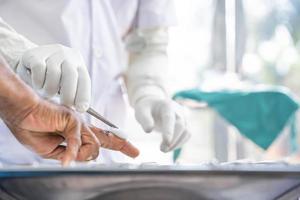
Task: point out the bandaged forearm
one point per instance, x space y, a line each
12 44
148 64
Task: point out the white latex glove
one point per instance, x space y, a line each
146 75
53 69
164 116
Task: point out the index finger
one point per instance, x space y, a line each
109 141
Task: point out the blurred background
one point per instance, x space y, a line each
229 44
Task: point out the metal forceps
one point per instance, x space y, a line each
95 114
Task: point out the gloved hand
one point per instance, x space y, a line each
53 69
42 126
146 76
165 117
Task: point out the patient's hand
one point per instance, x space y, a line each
110 141
47 125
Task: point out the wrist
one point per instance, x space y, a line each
17 99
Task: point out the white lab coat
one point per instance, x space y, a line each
96 28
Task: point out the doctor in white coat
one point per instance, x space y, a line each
81 49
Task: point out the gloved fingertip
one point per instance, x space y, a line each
148 129
164 147
147 124
145 119
82 107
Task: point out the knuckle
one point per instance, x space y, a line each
76 139
73 122
74 117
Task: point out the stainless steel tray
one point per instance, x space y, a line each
144 182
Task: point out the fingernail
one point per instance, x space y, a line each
82 107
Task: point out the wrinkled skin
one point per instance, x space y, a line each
109 141
42 131
42 126
48 125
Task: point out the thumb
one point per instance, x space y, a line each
143 115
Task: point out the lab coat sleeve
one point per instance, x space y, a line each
155 13
12 44
148 65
